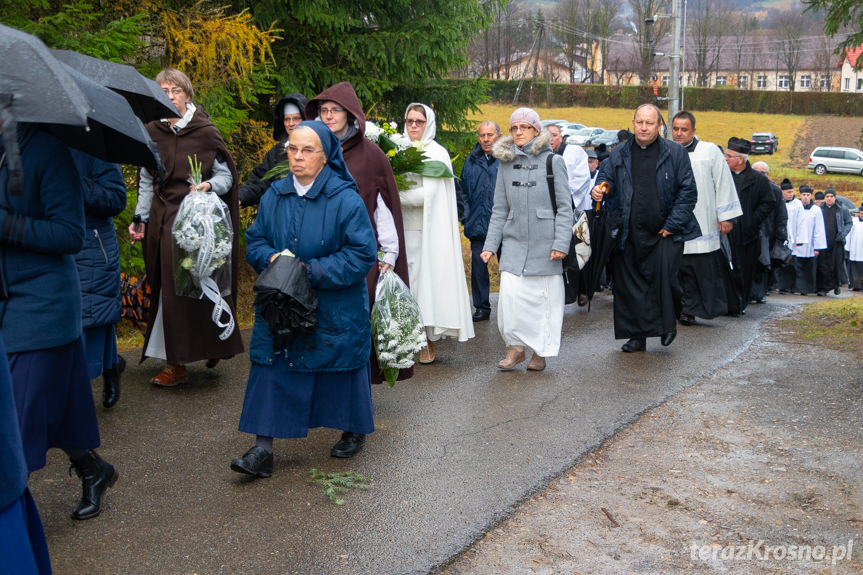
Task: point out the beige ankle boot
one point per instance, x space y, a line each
514 356
536 363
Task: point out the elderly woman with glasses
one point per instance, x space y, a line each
532 226
339 108
180 330
322 379
433 241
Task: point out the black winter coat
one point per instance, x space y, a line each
757 201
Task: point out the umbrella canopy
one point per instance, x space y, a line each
40 87
113 132
144 95
286 300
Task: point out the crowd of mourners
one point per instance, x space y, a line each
694 231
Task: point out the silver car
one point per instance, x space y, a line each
583 136
825 159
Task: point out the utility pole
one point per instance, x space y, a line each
674 80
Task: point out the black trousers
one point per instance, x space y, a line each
479 279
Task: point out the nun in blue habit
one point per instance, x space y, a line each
323 379
22 541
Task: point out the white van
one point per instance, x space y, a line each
825 159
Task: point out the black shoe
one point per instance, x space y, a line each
668 337
821 293
97 475
481 315
837 291
758 300
257 461
111 385
686 319
634 344
349 445
582 300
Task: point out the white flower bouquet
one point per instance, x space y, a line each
398 333
203 240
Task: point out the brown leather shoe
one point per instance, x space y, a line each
171 376
427 353
536 363
514 356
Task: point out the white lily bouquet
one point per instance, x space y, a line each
406 157
203 239
398 333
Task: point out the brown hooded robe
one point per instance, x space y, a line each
371 169
190 334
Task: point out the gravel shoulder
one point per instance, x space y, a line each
755 469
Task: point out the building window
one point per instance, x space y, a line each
722 80
825 82
762 82
806 81
847 84
782 82
665 80
859 84
741 82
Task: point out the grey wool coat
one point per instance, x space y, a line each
523 219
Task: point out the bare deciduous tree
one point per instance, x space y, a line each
656 11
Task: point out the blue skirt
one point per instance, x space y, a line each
22 540
54 401
100 343
284 403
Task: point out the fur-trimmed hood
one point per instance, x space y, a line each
505 150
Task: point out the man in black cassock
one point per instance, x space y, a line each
837 225
757 201
653 193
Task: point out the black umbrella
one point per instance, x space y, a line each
113 132
603 225
36 87
286 300
40 87
145 96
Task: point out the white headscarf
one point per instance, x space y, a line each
431 123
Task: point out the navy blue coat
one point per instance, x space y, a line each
329 230
99 261
40 231
478 179
674 181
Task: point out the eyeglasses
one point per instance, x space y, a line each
415 122
174 91
331 111
295 151
520 128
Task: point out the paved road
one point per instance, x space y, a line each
456 449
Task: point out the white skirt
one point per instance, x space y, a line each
530 312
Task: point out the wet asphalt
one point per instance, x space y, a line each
456 449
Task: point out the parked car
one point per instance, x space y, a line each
825 159
571 128
607 137
561 123
764 143
582 137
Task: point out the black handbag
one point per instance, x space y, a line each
570 262
781 256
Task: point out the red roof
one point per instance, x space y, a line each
852 54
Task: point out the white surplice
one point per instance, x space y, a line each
717 197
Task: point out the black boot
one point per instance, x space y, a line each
111 387
97 475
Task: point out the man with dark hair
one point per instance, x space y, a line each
837 225
478 178
774 230
809 238
653 193
703 266
757 201
785 276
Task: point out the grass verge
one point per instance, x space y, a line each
837 324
